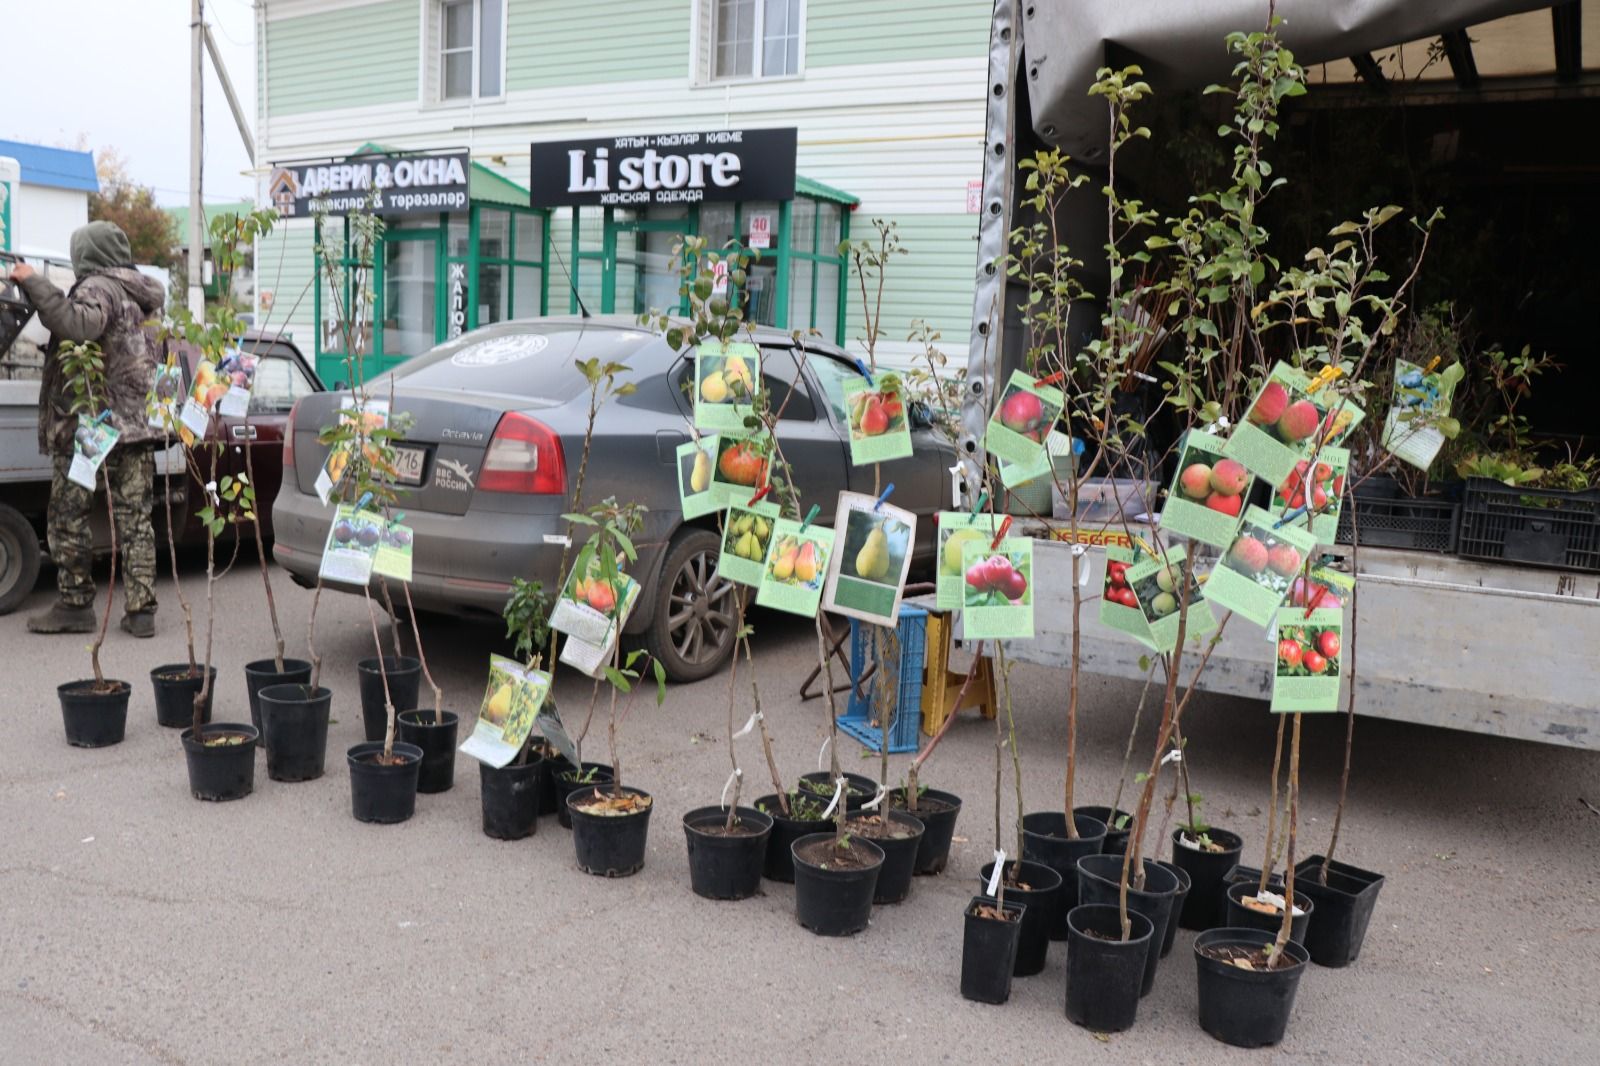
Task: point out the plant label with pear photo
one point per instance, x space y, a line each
998 599
1314 493
880 426
1023 417
1155 585
352 545
1206 497
1119 607
797 567
725 378
697 460
393 557
956 530
1419 419
92 441
1253 577
867 574
746 540
1285 423
1310 663
511 702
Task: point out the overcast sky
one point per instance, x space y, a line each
116 72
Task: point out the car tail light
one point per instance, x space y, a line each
524 455
288 439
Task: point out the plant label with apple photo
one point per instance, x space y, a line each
697 459
1285 424
166 393
238 371
797 567
740 470
1310 662
1419 419
591 601
746 540
1253 576
352 545
511 702
1327 589
956 530
1206 498
1155 585
867 574
1119 607
880 427
92 441
1056 444
998 601
1317 487
725 379
393 557
1023 417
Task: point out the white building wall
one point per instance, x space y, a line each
45 217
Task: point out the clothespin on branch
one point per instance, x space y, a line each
1000 534
884 495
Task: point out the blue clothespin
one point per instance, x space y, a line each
809 516
864 371
103 417
883 496
1290 517
366 498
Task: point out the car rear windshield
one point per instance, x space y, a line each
525 359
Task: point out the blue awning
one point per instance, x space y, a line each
60 168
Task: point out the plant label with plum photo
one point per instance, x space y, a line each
1317 485
797 567
746 540
166 392
867 573
697 459
956 530
1155 587
1419 419
511 703
238 371
1119 607
393 557
998 603
740 470
92 441
352 545
1286 422
725 381
880 428
1206 498
1310 663
1254 574
1023 417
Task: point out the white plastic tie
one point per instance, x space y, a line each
873 803
1175 755
823 750
999 871
838 794
737 773
750 724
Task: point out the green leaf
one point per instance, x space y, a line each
618 679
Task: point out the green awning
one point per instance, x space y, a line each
804 186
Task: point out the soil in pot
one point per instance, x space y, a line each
1105 972
833 885
1099 878
294 719
510 798
1117 823
404 674
94 715
1045 840
1184 884
264 673
222 762
1247 911
898 840
725 861
609 829
437 739
804 819
1038 888
1343 909
858 789
989 948
176 689
568 781
383 791
1207 859
937 811
1241 1002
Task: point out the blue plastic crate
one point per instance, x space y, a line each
906 720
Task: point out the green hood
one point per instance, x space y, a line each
99 246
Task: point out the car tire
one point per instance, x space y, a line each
693 618
19 558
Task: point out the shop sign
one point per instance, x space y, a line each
664 168
761 231
381 184
457 324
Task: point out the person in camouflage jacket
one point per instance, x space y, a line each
110 304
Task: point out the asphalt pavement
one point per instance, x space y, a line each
140 926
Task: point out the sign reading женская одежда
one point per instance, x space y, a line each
664 168
383 184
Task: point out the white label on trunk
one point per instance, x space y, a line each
195 419
999 872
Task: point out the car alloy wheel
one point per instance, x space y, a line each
700 611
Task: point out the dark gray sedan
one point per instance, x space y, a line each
491 459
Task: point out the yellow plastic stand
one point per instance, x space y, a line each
941 685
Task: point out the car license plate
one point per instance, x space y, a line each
408 465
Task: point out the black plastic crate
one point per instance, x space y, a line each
1425 524
1537 527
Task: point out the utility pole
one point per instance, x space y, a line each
197 221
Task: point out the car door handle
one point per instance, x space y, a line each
244 432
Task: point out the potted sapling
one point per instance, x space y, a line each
433 731
512 795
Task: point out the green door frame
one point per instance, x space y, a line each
608 281
388 361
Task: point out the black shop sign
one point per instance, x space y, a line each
664 168
381 184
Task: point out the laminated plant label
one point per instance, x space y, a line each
1418 409
998 598
797 567
92 441
362 417
1208 492
746 540
393 557
238 372
725 377
880 426
1253 576
739 470
1287 421
697 461
166 393
1155 587
867 573
1310 660
956 530
1041 466
591 602
193 421
1024 415
1314 493
1119 607
352 545
511 703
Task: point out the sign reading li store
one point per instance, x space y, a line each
381 184
664 168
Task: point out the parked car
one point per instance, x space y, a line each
491 458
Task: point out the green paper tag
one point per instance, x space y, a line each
956 529
1421 400
1207 494
1025 413
873 555
511 702
879 428
797 567
1155 586
996 604
352 543
1327 477
1119 609
725 380
746 540
393 558
697 463
1253 576
738 469
1286 422
1310 660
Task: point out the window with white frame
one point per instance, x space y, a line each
750 38
466 49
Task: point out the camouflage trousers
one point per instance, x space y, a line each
131 474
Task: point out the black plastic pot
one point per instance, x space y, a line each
1116 841
609 845
1184 884
552 761
1105 972
858 789
438 743
726 865
175 695
1344 907
1241 917
1203 908
939 827
834 902
1099 878
221 771
264 673
510 798
383 794
1044 839
899 858
989 951
1246 1008
294 725
404 674
94 719
1041 898
779 865
567 783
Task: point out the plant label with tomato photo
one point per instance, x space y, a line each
393 557
956 530
867 573
998 601
696 492
1419 419
511 703
880 429
1254 575
352 545
1023 417
739 470
1156 588
1119 607
1317 487
1310 661
1286 422
797 567
746 540
725 383
238 371
1208 493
